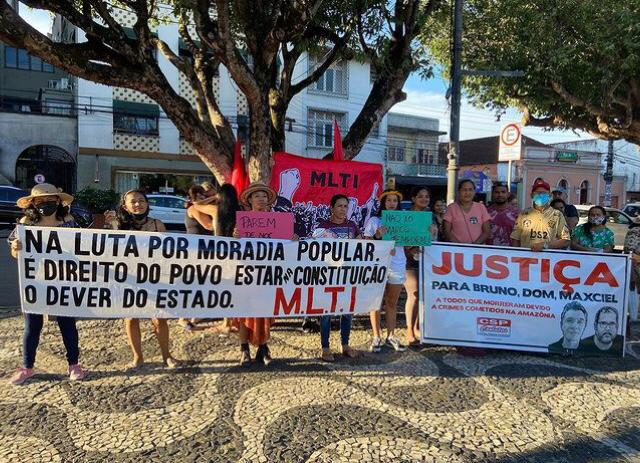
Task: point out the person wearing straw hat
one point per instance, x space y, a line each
257 197
46 206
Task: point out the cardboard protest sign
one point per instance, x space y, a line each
116 274
407 228
305 187
274 225
564 302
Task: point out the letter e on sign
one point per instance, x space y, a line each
510 143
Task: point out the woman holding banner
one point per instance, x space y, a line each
421 198
217 215
257 197
133 214
337 226
389 201
45 207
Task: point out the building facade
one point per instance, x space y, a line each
577 171
412 158
626 161
126 141
38 123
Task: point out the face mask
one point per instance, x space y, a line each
597 220
48 208
541 199
140 216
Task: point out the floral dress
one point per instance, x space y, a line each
599 239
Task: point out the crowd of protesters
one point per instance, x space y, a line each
551 223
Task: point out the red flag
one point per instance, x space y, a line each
239 177
338 153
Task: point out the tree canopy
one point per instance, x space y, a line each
258 41
581 60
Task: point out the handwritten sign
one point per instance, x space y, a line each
407 228
273 225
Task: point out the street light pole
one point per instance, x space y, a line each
454 131
608 176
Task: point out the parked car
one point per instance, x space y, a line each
617 221
632 210
10 212
167 208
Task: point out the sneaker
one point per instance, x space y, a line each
21 375
376 345
76 372
394 342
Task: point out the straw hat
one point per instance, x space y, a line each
44 189
254 188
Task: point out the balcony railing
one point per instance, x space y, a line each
425 170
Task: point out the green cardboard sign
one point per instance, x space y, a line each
407 228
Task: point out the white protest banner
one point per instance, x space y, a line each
115 274
511 298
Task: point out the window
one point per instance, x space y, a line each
423 155
584 192
18 58
36 64
157 202
23 59
320 127
617 217
396 150
140 125
136 118
10 57
174 203
334 80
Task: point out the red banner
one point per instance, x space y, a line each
305 187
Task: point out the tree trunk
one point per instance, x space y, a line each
260 160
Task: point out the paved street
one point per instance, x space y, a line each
431 405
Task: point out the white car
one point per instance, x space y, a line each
617 221
633 211
167 208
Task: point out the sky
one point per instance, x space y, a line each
424 98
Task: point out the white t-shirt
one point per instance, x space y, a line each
399 260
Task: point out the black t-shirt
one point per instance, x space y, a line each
588 346
571 211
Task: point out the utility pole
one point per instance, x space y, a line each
456 77
455 91
608 176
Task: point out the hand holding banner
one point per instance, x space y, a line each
116 274
407 228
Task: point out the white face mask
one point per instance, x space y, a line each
599 220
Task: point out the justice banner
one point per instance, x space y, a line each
305 186
116 274
511 298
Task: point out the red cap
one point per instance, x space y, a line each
540 184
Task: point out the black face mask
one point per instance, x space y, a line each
48 208
140 216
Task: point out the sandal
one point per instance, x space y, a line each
351 353
327 356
